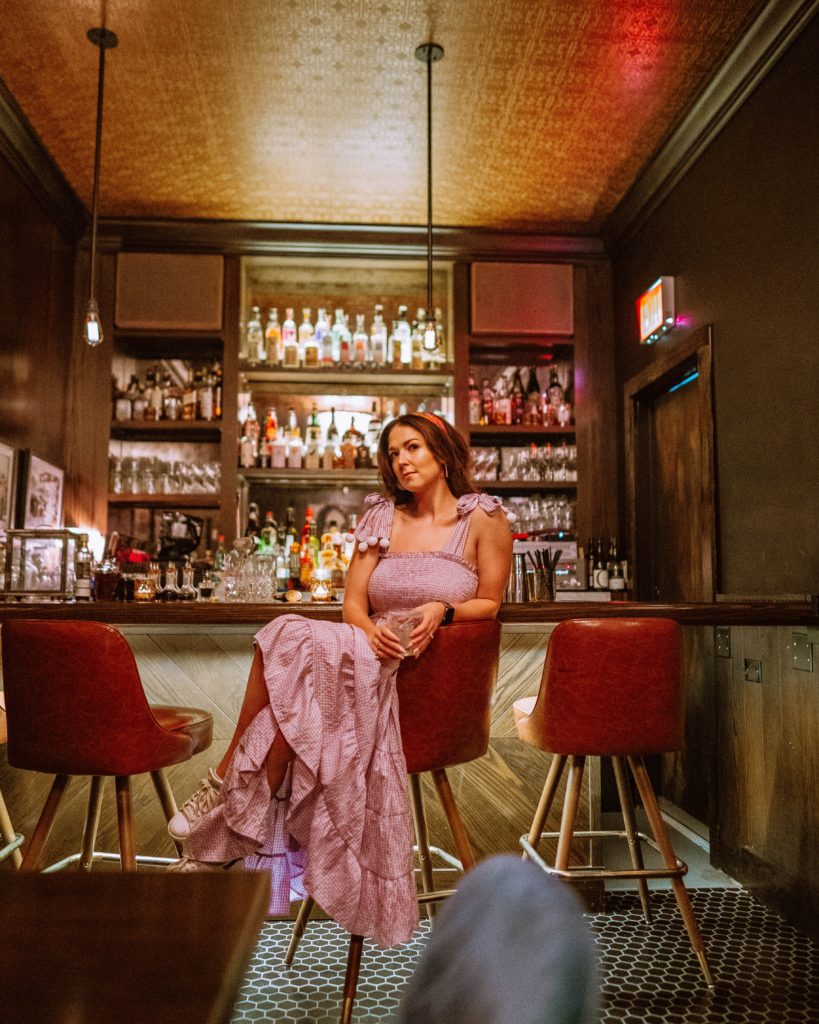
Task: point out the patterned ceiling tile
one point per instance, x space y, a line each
315 110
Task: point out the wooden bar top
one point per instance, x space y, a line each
131 948
719 613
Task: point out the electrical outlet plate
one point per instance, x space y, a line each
801 652
722 641
753 670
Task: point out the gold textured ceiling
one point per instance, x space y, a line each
315 110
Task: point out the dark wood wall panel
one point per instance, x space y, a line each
739 235
36 305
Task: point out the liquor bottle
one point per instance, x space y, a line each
555 390
295 450
267 537
205 396
361 342
217 391
474 397
394 348
419 356
278 451
389 412
313 432
374 428
324 341
352 433
219 553
254 335
533 415
189 399
310 355
378 337
487 403
332 429
601 572
617 580
271 426
517 400
345 339
290 533
403 333
150 388
290 342
273 338
503 405
252 528
82 570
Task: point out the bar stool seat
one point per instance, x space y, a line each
610 688
12 841
76 706
445 705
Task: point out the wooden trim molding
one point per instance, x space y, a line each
33 163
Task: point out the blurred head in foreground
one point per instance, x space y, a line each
510 947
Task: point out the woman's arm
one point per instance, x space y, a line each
356 608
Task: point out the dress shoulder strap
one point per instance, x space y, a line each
466 506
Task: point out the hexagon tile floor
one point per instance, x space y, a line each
766 971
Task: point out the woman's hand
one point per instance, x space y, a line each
430 616
385 645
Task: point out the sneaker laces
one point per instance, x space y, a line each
201 801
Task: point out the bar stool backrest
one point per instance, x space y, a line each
610 687
75 702
445 696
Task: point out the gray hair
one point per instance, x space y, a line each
510 947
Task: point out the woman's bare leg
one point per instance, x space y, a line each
255 699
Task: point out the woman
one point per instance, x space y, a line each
321 696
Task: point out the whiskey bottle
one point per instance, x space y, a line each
254 336
82 570
290 342
310 355
273 338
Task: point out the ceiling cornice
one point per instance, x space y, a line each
353 240
777 26
33 163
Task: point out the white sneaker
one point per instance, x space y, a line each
203 800
187 864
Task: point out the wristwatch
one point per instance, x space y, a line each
449 613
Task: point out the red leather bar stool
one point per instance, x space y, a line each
12 841
445 706
76 706
610 688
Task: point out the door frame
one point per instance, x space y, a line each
639 393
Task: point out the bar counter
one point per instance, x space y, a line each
720 613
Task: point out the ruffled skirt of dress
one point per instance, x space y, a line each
344 832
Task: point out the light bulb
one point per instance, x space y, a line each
430 341
92 331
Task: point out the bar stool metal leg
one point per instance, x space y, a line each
627 807
8 834
546 800
655 819
39 838
422 838
456 826
299 928
92 821
574 785
166 799
126 823
351 978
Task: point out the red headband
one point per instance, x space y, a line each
433 419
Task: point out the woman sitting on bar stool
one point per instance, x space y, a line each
321 697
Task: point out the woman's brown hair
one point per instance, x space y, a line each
445 443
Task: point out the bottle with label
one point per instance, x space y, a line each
487 403
361 342
290 341
219 553
601 572
267 537
378 337
332 429
503 404
217 391
273 338
308 345
254 335
82 570
324 340
313 432
403 335
189 399
278 451
517 399
419 356
205 396
345 339
533 403
295 451
474 397
374 428
617 580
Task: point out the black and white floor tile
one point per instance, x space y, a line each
766 972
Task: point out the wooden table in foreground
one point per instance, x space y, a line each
147 948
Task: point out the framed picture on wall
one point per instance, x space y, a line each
7 481
42 494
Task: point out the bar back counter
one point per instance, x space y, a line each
747 778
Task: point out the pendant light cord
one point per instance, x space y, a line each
429 186
96 189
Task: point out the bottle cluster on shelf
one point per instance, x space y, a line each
533 464
331 439
511 403
162 395
321 345
604 566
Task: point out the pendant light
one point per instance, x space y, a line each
92 328
429 54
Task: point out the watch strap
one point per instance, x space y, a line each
449 614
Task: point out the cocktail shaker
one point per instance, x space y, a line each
517 589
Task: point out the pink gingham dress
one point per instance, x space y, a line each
343 832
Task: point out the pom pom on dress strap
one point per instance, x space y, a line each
489 503
376 524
